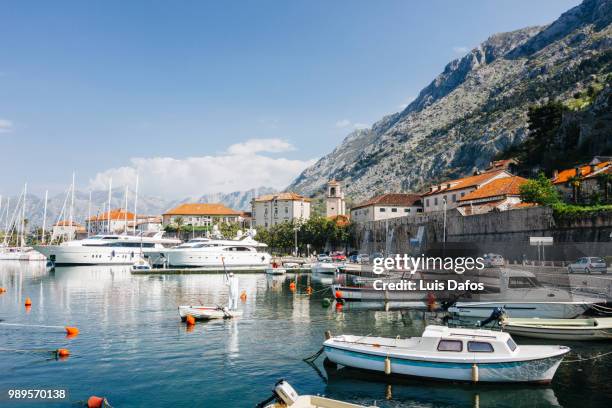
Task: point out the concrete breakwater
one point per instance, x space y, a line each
584 235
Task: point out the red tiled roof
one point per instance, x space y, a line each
201 209
288 196
399 199
501 187
585 171
116 214
66 223
465 182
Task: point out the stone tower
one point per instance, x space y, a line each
334 199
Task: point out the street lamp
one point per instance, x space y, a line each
295 230
444 229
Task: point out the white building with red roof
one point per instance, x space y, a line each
385 206
272 209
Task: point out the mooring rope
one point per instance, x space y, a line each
316 355
587 359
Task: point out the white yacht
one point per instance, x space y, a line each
243 252
107 249
20 254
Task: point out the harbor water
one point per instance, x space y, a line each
134 350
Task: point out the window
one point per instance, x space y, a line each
511 344
382 210
462 193
479 347
427 203
406 209
450 345
454 198
436 201
394 210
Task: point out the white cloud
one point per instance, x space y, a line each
460 49
345 123
240 168
5 126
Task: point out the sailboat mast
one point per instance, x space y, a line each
42 239
70 219
6 221
89 215
135 203
110 189
23 209
125 217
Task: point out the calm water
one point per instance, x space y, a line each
134 350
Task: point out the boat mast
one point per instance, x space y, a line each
89 215
23 209
70 219
135 203
6 221
42 239
110 189
125 217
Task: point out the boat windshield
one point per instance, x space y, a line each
518 282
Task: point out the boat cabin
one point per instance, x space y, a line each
455 340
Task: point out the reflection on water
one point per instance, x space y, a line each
134 350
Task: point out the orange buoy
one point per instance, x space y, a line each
309 290
28 302
339 306
96 402
62 352
190 320
292 286
71 331
338 294
2 290
243 295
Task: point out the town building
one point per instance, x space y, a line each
200 215
116 221
147 223
66 231
272 209
584 180
334 199
451 191
390 205
498 195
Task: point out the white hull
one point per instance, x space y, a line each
370 294
561 329
325 268
544 310
19 254
92 255
217 259
538 370
207 312
275 271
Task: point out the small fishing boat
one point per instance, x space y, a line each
141 265
445 353
284 395
275 268
207 312
560 329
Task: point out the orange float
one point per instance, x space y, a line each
190 320
2 290
96 402
62 352
28 301
338 294
243 295
71 331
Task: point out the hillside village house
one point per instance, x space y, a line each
201 215
588 178
118 219
501 194
453 190
65 230
272 209
386 206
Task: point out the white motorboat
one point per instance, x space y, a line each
521 295
326 266
20 254
560 329
449 354
242 253
207 312
141 265
107 249
284 395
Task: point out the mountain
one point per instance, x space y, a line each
475 109
150 205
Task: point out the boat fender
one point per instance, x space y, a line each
387 365
474 373
2 290
338 294
28 302
309 290
190 320
243 295
285 392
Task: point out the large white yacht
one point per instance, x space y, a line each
107 249
244 252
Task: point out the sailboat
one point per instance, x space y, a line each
17 224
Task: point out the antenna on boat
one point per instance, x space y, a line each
70 218
125 216
135 203
89 215
23 221
110 189
42 238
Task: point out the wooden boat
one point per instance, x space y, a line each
284 396
207 312
449 354
560 329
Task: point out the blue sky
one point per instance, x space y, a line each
186 86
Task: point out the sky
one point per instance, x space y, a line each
202 96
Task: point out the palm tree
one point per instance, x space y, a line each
575 182
179 221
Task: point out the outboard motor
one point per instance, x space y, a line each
497 314
283 392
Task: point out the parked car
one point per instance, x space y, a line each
338 257
493 260
363 258
588 264
323 258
